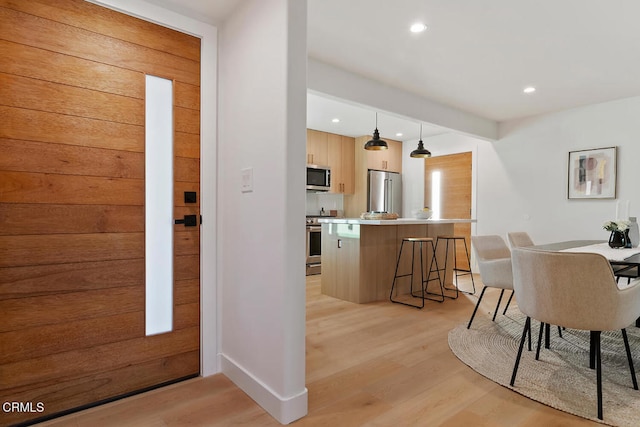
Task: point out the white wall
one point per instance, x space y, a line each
520 181
532 156
412 180
262 125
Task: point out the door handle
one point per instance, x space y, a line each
386 195
188 221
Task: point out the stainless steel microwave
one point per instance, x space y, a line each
318 178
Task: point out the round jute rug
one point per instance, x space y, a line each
561 378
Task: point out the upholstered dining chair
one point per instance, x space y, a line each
521 239
494 262
576 290
517 239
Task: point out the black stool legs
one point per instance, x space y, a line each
456 271
424 284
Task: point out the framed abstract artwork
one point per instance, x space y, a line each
592 174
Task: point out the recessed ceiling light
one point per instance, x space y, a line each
418 27
529 89
399 134
335 120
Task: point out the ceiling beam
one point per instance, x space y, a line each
341 84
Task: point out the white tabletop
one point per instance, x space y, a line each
612 254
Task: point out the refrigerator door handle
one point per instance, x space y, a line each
384 194
390 196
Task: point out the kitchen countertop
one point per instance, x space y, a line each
399 221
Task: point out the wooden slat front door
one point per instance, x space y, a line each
72 214
455 180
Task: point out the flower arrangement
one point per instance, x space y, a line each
617 225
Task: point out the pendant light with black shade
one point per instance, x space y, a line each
420 152
376 143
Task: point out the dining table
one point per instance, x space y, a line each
625 262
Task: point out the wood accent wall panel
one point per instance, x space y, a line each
84 333
18 219
25 313
187 145
456 178
26 187
22 92
27 61
25 156
33 125
186 169
75 392
61 248
187 96
32 281
110 356
110 23
72 211
47 34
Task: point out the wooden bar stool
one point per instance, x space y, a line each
424 284
457 271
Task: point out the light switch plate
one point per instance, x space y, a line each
247 180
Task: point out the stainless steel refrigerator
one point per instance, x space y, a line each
385 192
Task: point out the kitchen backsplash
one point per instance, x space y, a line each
317 201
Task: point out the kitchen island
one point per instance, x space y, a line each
359 256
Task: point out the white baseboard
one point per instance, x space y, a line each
284 409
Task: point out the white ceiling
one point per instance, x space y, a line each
213 12
357 120
476 56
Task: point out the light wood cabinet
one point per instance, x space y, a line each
317 148
340 279
348 165
387 160
341 158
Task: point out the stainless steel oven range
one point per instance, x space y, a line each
314 244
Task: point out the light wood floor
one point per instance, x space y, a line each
378 364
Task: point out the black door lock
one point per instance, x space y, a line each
190 197
188 221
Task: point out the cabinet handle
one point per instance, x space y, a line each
339 243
